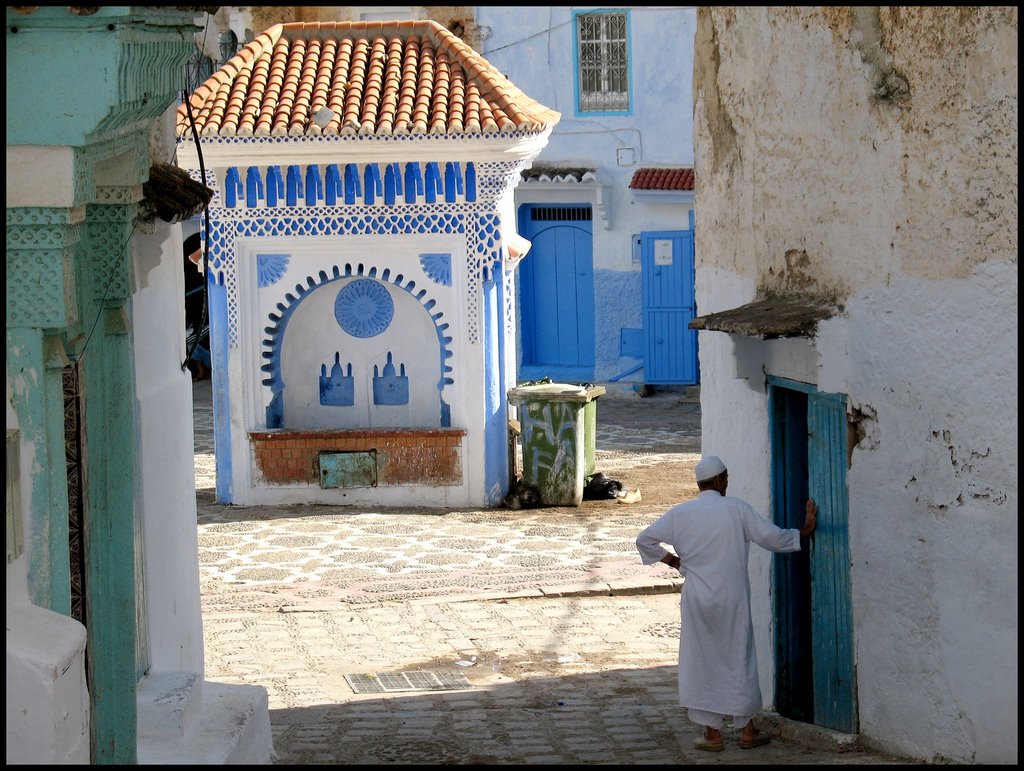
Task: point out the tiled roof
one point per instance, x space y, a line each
662 179
377 78
548 173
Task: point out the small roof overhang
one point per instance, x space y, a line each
172 195
770 317
664 185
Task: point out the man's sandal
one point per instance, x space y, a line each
703 744
758 741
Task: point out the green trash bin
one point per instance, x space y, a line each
558 425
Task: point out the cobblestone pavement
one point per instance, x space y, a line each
493 637
313 557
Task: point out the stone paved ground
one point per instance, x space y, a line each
567 645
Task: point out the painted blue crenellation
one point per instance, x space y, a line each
389 387
338 388
422 184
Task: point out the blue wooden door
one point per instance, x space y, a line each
832 624
794 661
815 675
670 346
556 293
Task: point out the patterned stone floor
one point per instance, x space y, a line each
569 644
316 556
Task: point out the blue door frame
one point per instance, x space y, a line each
556 293
815 673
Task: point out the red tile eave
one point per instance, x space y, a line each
663 179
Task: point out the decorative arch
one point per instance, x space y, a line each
275 334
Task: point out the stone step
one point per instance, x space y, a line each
181 723
167 702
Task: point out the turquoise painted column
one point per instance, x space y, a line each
40 248
104 268
93 82
38 390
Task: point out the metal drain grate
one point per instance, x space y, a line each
389 682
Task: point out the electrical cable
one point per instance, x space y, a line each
206 241
124 249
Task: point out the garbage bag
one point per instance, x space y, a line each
600 488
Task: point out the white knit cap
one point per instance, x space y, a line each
709 467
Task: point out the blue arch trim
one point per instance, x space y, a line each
279 322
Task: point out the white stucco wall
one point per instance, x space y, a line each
533 46
166 455
904 211
47 698
180 715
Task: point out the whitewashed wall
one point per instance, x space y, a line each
313 334
884 178
166 455
47 697
533 46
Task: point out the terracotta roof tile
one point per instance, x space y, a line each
663 179
377 78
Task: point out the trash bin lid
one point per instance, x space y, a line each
554 392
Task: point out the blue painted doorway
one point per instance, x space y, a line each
556 293
667 291
815 678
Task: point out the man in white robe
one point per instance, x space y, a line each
711 537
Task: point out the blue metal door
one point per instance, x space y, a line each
556 293
815 675
670 346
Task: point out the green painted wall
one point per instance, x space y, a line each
93 83
81 76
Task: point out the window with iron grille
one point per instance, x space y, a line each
199 67
602 71
228 43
